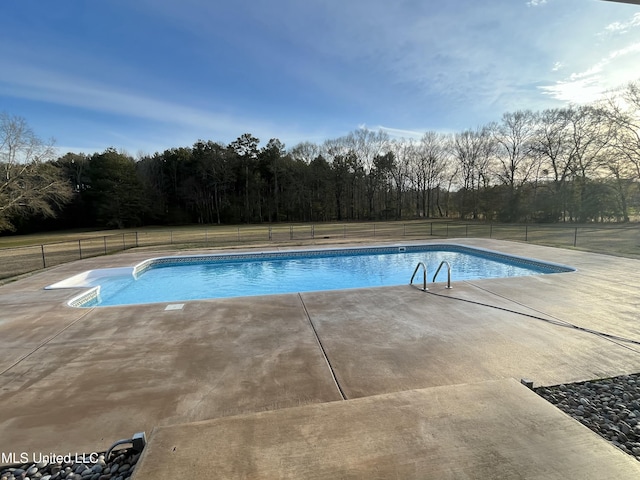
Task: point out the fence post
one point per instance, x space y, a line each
374 230
136 239
575 237
526 233
170 237
270 233
313 231
44 261
124 243
238 234
80 248
290 232
466 230
431 230
490 230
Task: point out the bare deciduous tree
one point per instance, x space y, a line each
472 150
428 167
624 112
30 183
305 152
513 136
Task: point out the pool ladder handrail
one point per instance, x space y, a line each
444 262
424 275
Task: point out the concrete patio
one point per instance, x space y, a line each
384 382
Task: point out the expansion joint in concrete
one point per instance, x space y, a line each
322 349
28 354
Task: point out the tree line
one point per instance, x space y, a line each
571 164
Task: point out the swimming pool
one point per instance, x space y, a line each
174 279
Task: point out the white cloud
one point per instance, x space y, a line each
401 133
49 86
165 124
557 66
591 84
536 3
52 87
580 91
622 27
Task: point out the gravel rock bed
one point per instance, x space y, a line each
120 466
610 407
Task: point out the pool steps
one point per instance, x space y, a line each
424 275
444 262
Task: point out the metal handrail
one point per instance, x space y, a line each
424 275
444 262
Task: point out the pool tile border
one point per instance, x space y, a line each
241 257
84 298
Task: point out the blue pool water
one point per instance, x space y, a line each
173 279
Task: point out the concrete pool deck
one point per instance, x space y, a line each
76 380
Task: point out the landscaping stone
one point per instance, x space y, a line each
121 465
609 406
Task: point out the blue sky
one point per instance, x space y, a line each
146 75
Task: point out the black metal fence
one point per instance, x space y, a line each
617 239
